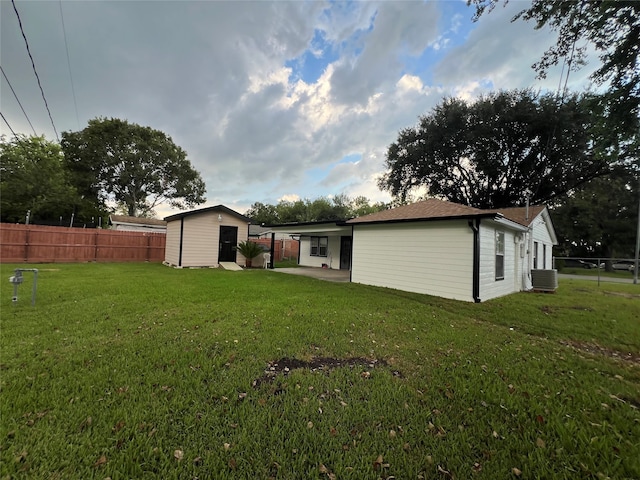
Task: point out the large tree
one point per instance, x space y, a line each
600 218
611 27
33 179
112 160
489 152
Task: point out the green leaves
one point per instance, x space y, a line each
136 166
487 153
33 178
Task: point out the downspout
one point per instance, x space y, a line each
181 236
299 247
273 245
474 224
351 257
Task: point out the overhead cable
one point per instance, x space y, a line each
33 65
5 121
18 100
66 46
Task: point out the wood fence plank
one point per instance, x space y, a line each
45 244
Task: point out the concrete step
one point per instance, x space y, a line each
230 266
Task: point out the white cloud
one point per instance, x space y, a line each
213 75
290 197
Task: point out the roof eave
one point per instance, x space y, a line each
427 219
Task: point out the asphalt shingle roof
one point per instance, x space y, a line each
433 208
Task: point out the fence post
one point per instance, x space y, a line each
148 247
95 245
26 245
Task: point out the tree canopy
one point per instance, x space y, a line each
600 218
611 27
33 179
135 166
339 207
489 152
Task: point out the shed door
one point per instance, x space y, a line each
228 241
345 253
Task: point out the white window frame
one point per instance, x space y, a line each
320 245
499 258
535 255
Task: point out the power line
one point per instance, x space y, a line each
33 65
18 100
66 46
5 121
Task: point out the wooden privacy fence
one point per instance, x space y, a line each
282 248
44 244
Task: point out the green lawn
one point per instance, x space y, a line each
594 272
143 371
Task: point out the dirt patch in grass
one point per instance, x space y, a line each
595 349
548 310
622 294
286 365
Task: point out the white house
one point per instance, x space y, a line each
137 224
205 237
435 247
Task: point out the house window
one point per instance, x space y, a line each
499 255
535 255
319 246
544 256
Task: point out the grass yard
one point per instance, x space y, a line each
595 272
143 371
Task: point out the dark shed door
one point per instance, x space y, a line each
228 241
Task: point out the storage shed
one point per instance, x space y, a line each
205 237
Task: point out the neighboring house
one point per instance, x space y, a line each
436 247
205 237
258 231
137 224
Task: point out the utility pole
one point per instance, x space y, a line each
635 263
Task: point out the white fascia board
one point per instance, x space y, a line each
312 229
511 225
547 220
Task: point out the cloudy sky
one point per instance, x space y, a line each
271 99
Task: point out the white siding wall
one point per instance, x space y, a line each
172 245
435 258
333 253
200 239
489 286
541 235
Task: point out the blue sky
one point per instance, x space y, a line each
271 100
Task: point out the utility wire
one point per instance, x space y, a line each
5 121
66 46
18 100
33 65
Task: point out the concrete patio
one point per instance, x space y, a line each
320 273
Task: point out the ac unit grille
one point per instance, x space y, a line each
544 280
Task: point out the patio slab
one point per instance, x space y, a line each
319 273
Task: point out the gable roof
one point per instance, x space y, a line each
430 209
218 208
519 214
136 220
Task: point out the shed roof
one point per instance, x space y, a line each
218 208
